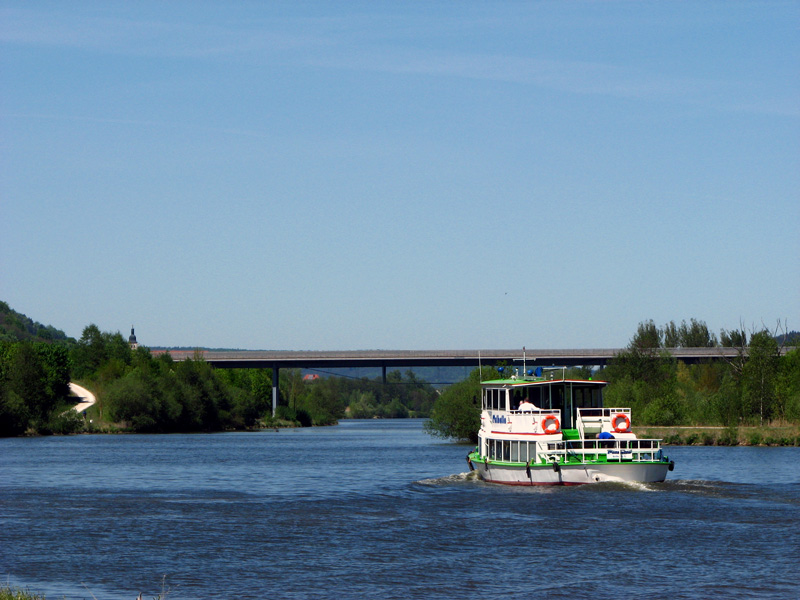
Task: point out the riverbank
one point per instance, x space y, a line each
774 435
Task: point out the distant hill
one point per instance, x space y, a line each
16 327
789 339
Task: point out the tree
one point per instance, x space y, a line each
787 389
759 375
648 337
672 337
90 352
696 335
456 414
27 380
323 401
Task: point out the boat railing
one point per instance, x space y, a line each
583 451
592 421
522 421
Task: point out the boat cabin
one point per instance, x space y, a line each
564 396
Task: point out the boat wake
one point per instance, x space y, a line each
457 478
640 486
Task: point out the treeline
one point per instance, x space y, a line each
148 392
403 395
759 386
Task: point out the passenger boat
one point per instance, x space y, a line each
546 429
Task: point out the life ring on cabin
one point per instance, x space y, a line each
626 423
550 420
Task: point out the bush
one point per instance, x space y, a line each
66 423
457 412
730 437
304 418
285 413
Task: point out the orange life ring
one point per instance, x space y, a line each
626 421
555 422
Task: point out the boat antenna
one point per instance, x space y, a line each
523 361
480 368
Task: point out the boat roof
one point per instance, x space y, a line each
538 381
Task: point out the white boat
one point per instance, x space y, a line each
554 430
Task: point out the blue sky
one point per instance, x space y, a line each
388 175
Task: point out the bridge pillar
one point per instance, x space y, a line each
383 374
275 380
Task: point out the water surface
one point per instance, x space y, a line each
378 509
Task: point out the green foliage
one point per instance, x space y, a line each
152 393
457 412
647 337
33 379
323 401
759 377
100 356
787 387
177 397
758 387
64 422
695 334
9 593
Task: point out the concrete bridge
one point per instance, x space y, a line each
393 359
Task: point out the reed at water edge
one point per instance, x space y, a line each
9 593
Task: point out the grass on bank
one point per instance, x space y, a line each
16 593
775 435
9 593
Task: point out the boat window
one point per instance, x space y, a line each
517 396
535 396
519 451
494 399
497 450
506 450
587 396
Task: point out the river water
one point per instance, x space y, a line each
379 509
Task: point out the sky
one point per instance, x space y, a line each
399 175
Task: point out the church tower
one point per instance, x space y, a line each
132 340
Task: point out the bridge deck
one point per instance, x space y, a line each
420 358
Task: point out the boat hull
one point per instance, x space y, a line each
571 474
